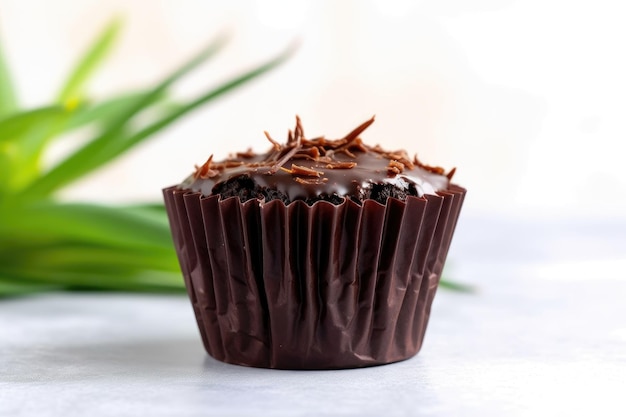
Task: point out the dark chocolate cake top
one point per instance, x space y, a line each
319 169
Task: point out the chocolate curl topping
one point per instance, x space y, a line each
310 181
276 145
433 169
295 144
358 130
312 153
245 155
340 165
320 150
304 171
283 160
299 132
205 170
395 167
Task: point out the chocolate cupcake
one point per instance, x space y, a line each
318 254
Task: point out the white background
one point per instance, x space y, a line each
526 98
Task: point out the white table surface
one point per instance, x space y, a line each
544 335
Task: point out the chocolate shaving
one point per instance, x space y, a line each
286 157
295 143
358 130
433 169
355 144
312 181
323 152
205 170
395 166
318 141
451 174
312 153
346 151
229 164
308 172
358 145
400 156
245 155
277 146
298 132
340 165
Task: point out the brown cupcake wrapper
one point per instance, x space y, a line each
312 287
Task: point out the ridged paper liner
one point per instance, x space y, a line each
312 287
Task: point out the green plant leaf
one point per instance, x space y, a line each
34 279
106 112
456 286
14 127
231 84
73 89
8 98
87 256
109 146
94 153
47 221
23 137
143 101
10 287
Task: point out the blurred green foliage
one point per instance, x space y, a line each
47 244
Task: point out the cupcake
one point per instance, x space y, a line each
319 254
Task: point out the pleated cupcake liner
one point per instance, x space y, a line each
312 287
